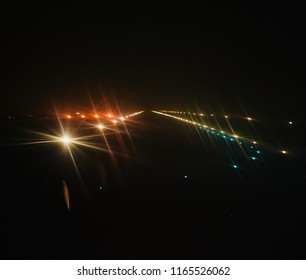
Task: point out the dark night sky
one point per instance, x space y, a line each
225 56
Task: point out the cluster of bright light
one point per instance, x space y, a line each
197 124
212 130
133 115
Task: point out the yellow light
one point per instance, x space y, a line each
68 116
284 152
109 115
236 136
254 142
77 113
226 117
100 126
211 115
96 116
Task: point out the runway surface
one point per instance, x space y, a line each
160 185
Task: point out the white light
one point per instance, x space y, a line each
66 139
284 152
290 122
114 121
249 119
100 126
122 118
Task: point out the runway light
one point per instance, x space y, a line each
254 142
253 158
186 177
226 117
96 116
284 152
249 119
77 113
290 122
109 115
122 118
68 116
66 140
235 166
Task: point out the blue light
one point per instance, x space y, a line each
253 158
235 166
258 152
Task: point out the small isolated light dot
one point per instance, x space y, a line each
258 152
253 158
235 166
290 122
226 117
101 188
186 177
77 113
252 147
249 118
69 117
284 152
254 142
211 115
